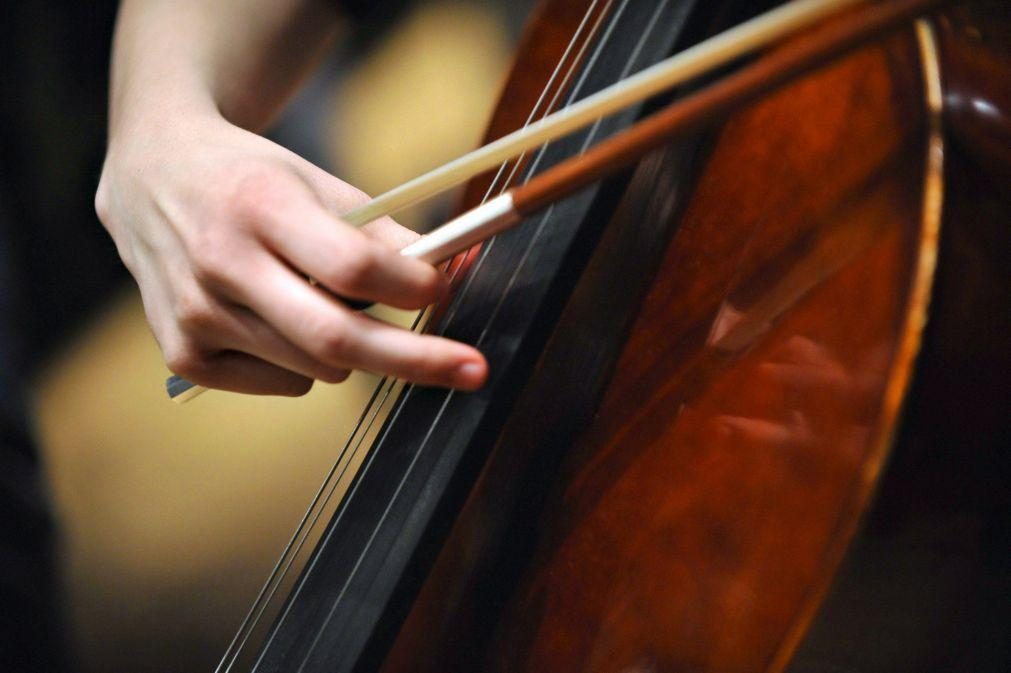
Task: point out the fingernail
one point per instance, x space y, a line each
470 374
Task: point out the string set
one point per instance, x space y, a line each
382 394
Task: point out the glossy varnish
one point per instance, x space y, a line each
703 511
697 517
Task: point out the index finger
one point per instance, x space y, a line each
348 262
339 337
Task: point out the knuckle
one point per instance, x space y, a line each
334 375
333 344
194 313
102 203
105 211
257 192
248 207
212 256
252 184
188 362
297 387
354 268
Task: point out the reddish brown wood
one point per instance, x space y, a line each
698 519
711 104
708 504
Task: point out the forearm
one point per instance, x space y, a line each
237 58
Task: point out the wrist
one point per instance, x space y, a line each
159 111
147 142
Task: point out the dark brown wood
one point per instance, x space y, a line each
975 41
925 584
711 104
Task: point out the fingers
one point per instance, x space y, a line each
188 352
238 329
245 319
202 339
339 197
346 261
242 373
422 358
339 337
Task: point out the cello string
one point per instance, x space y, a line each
319 503
303 531
566 56
461 260
305 527
427 315
365 468
577 87
559 90
449 394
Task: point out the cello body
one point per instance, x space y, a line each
700 370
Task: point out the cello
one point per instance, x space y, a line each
699 368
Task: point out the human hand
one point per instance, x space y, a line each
220 228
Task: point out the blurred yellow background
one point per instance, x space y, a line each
172 516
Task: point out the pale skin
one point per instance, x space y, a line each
221 227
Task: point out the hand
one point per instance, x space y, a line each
220 228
